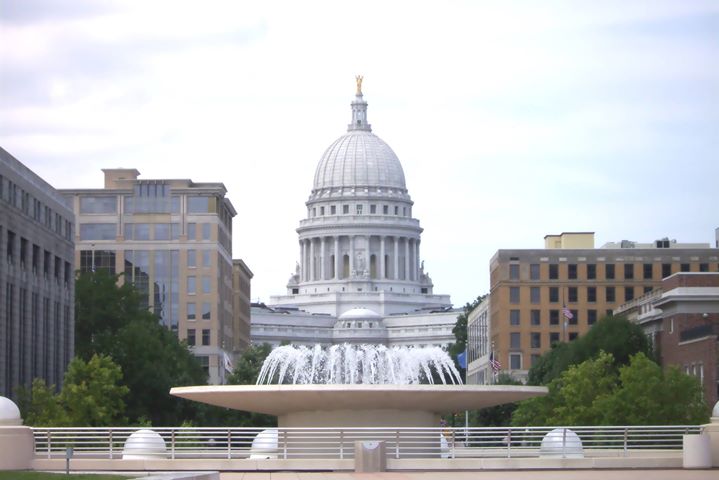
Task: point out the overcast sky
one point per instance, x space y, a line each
511 119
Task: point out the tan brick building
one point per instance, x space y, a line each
530 288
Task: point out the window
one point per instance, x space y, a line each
385 209
703 267
553 294
572 271
573 336
206 284
205 336
553 271
648 271
358 209
591 271
609 271
207 258
610 294
515 340
628 293
591 317
534 296
575 317
535 358
554 317
373 209
191 285
206 311
535 317
191 313
591 294
514 271
191 231
206 231
333 210
204 361
666 269
322 211
198 204
553 338
535 339
345 209
90 205
396 210
572 295
191 258
191 337
628 271
98 231
514 317
513 294
684 267
515 361
162 231
534 271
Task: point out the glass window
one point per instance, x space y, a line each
396 210
514 317
553 338
191 231
647 289
591 317
359 209
162 231
385 209
628 293
703 267
534 271
534 294
175 207
553 271
191 285
515 340
191 336
206 311
572 271
98 231
610 294
609 271
345 209
535 340
191 312
322 210
513 294
191 258
333 210
684 267
573 336
515 361
572 294
628 271
198 204
373 209
666 269
206 231
205 336
207 258
174 231
206 283
591 271
648 271
575 317
514 271
554 294
98 204
591 294
554 317
536 317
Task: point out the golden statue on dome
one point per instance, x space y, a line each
359 79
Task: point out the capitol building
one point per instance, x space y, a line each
360 277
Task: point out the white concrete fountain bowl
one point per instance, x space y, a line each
9 413
562 443
265 444
144 444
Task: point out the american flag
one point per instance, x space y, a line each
567 313
494 363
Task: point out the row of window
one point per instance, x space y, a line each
192 337
148 198
571 294
17 197
144 231
31 256
630 271
535 339
538 317
359 210
205 283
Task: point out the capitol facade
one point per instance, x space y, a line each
360 277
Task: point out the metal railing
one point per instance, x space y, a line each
338 443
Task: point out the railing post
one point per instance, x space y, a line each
284 444
342 444
172 443
110 438
564 443
626 441
229 444
454 438
509 443
49 444
396 444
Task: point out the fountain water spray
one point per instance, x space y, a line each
358 364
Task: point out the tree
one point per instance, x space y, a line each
612 334
112 321
91 396
499 415
248 366
460 331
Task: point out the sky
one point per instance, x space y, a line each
512 119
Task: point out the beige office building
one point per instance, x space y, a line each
530 288
173 240
241 301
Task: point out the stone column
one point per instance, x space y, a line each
337 257
351 239
303 262
382 273
313 274
323 267
418 261
406 258
396 258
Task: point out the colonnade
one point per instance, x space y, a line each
339 257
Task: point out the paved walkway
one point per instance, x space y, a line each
484 475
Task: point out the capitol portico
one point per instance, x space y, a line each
360 269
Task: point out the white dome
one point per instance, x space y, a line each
265 444
144 444
359 159
360 314
9 413
561 442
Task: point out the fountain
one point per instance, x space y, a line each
357 386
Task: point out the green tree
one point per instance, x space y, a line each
92 395
612 334
499 415
249 365
40 405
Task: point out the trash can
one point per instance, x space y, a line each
370 456
696 452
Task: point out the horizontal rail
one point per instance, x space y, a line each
238 443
